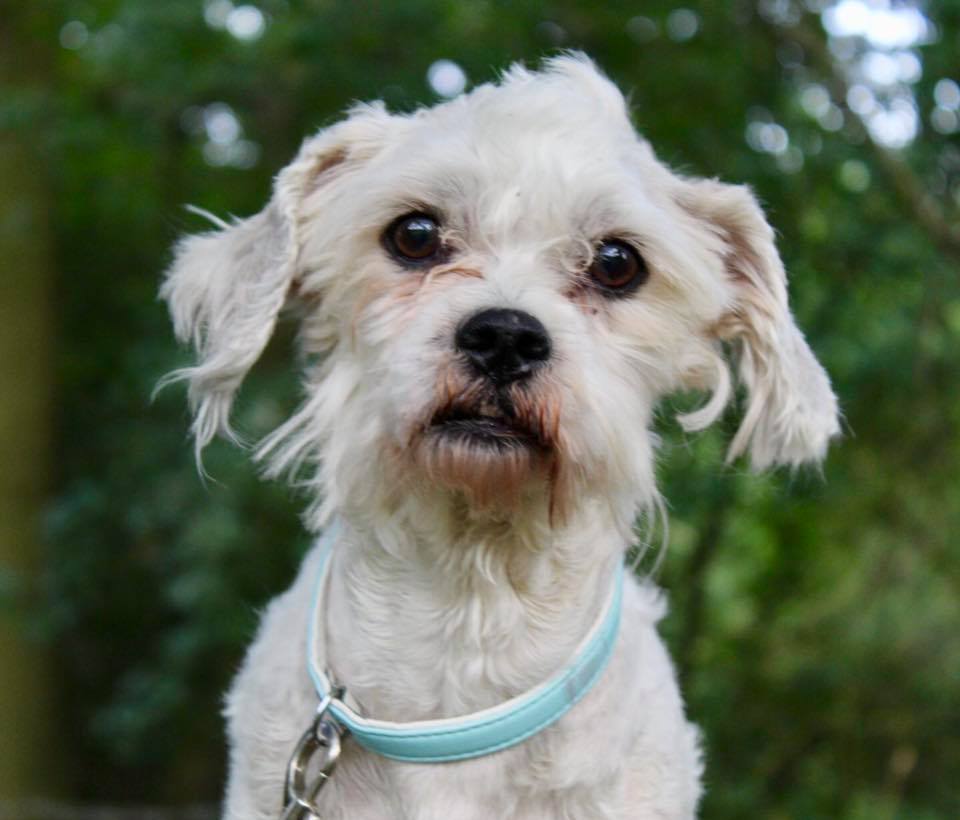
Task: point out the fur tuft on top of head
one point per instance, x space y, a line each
571 72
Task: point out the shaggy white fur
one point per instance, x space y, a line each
474 554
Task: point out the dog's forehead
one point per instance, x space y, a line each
546 146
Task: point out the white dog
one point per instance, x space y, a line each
493 295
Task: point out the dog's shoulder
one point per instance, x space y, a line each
271 699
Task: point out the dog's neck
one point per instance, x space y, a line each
442 620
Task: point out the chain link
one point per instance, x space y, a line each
319 744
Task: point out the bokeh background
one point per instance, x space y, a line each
814 619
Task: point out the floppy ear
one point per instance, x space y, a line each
225 289
791 411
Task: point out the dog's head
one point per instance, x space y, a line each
493 294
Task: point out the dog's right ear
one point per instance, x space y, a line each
225 289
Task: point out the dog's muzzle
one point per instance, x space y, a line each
501 349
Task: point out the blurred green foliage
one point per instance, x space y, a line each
814 621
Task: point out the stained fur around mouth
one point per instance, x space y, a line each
489 421
496 445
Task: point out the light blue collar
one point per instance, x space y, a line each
480 733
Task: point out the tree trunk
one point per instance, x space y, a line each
26 382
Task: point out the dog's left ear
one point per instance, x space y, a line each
225 289
791 411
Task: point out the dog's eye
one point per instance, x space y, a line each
414 237
617 268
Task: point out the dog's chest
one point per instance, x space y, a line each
471 660
530 782
628 729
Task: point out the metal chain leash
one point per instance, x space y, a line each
319 746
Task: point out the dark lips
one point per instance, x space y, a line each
490 430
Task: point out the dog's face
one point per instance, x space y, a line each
493 295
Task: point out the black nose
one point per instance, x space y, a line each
504 345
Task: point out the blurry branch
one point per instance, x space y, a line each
40 808
906 184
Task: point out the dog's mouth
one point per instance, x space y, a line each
484 426
494 445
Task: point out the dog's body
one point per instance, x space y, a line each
624 751
493 294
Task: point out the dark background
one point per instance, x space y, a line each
814 619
